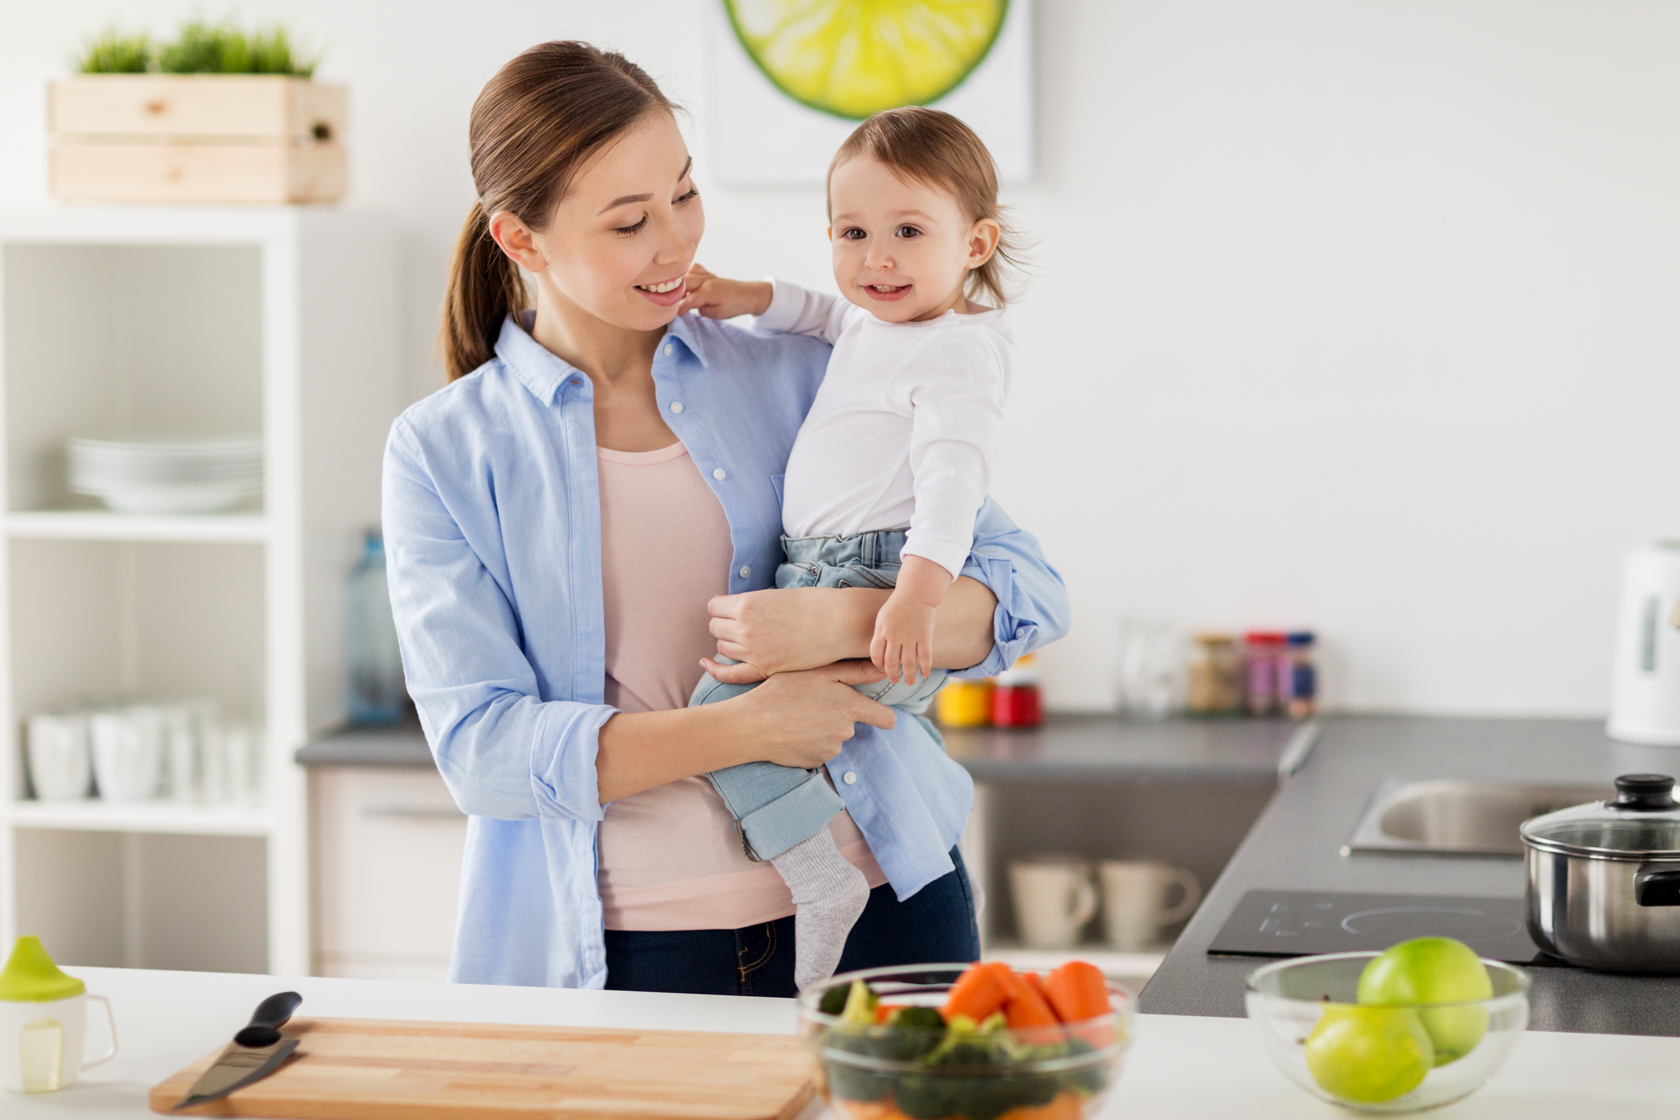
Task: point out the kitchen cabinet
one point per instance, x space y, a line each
387 845
183 321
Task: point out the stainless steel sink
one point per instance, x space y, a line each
1449 817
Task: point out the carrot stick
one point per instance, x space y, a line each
883 1011
1077 991
978 992
1024 1008
1036 983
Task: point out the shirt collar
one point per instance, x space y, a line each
543 372
538 369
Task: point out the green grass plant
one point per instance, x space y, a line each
114 51
199 48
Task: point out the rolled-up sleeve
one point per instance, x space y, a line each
503 751
1032 603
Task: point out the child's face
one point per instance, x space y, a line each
902 249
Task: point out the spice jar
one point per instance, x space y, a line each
1298 676
1015 700
1265 658
965 703
1213 675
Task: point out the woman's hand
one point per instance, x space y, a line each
801 719
783 631
718 298
803 627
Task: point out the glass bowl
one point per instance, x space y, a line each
1047 1073
1287 1000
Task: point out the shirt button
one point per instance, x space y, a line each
849 777
720 474
676 406
670 348
746 570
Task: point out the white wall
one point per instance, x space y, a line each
1358 316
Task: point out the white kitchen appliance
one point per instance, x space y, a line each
1645 694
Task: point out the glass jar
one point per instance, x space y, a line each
1015 700
1298 676
1213 675
965 703
1265 658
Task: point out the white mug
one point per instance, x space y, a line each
1135 900
59 763
1054 899
42 1044
128 747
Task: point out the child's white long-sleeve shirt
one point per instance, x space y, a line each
903 429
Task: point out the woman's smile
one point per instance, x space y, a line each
665 293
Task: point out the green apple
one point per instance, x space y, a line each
1368 1054
1433 970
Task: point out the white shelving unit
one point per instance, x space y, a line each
183 321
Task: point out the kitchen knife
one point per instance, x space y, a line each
255 1052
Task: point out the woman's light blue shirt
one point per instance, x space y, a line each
492 528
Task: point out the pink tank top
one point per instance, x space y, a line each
670 858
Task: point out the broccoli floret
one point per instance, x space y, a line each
1091 1080
834 1000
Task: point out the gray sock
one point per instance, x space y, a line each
828 895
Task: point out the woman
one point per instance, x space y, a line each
589 509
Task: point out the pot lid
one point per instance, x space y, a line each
1641 822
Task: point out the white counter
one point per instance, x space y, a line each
1178 1067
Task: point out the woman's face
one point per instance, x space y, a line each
620 241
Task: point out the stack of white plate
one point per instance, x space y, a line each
167 476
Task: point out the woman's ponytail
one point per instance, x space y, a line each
484 288
537 121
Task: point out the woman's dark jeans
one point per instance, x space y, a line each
934 925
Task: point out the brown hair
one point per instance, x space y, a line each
536 123
936 148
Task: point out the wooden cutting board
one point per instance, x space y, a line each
371 1069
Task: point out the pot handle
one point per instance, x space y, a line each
1656 888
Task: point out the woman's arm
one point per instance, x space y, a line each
502 750
1009 601
797 719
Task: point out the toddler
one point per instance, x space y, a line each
892 463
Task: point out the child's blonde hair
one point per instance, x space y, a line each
936 148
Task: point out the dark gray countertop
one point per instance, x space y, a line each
1296 845
1104 747
402 745
1066 748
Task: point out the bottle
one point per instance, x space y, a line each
1298 676
1015 700
1265 656
377 694
1213 676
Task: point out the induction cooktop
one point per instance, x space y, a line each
1269 923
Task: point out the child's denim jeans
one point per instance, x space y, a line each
778 806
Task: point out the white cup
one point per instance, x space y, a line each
1135 901
59 764
42 1045
128 749
1054 899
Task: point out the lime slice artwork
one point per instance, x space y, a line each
851 58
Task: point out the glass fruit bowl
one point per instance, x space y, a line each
1382 1057
881 1072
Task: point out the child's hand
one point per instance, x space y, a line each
903 642
717 298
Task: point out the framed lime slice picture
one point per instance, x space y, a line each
851 58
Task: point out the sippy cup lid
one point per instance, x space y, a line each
30 976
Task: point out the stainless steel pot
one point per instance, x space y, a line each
1604 879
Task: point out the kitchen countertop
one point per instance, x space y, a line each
166 1020
1072 748
1296 846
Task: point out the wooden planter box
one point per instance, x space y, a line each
196 138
